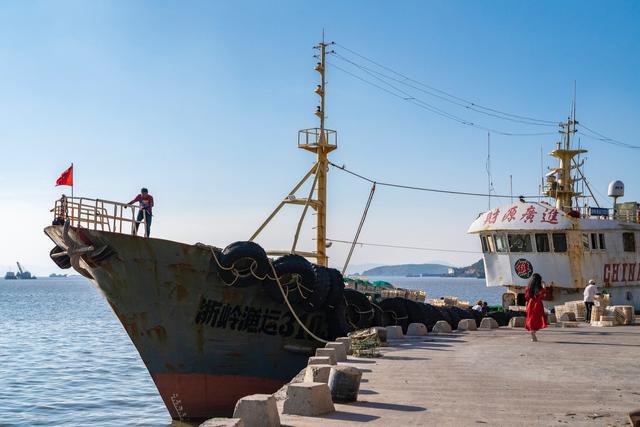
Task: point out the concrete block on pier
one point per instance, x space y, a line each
317 374
394 332
381 331
516 322
467 325
417 329
223 422
441 327
488 323
316 360
347 343
344 383
308 399
259 410
327 352
340 348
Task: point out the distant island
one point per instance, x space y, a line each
425 270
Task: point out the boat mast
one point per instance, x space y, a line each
322 151
321 142
561 186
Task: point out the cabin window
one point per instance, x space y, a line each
501 243
594 241
559 242
601 239
629 242
485 244
519 243
491 243
542 242
585 242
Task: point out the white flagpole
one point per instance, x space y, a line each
72 180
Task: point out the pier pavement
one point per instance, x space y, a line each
585 376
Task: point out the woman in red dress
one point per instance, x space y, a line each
536 318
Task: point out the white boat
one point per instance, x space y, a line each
566 243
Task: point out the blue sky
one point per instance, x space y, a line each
201 102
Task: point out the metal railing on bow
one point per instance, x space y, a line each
98 214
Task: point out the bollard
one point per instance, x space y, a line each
324 360
259 410
467 325
416 329
340 350
488 323
382 333
308 399
317 374
327 352
347 344
344 383
394 332
516 322
441 327
223 422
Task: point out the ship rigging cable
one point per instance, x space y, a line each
472 105
391 75
417 248
411 187
405 96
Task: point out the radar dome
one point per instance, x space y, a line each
616 189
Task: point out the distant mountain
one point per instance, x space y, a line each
408 270
474 270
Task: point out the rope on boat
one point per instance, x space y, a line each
233 269
286 300
280 287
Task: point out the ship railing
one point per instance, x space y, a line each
622 214
97 214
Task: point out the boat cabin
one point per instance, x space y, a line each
566 248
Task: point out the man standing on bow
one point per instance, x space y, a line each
589 292
145 213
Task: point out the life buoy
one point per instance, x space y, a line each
336 288
396 312
321 287
337 324
415 312
359 310
432 315
297 277
244 264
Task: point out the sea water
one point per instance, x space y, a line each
65 359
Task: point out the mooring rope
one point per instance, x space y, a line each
280 287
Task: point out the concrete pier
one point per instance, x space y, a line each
584 376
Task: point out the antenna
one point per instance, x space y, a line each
541 174
511 187
489 181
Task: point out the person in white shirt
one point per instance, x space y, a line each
478 306
589 292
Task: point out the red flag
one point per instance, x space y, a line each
66 178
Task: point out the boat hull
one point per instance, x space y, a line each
205 344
